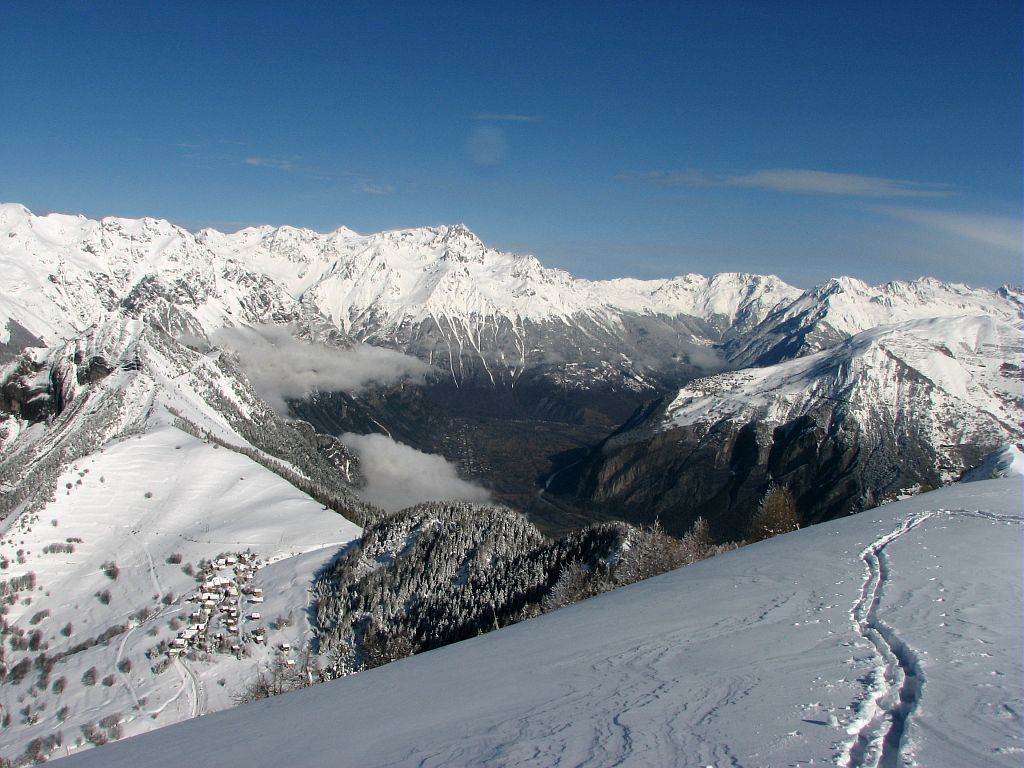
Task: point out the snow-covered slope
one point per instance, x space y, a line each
887 638
149 506
129 465
946 375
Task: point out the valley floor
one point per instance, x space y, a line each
888 638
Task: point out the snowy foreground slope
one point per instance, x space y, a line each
890 637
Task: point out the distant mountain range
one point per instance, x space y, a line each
900 385
437 292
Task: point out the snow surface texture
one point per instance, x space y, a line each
888 638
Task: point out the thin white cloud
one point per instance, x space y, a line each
505 117
398 476
801 181
281 164
281 367
1000 232
827 183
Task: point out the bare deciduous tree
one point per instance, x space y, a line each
775 514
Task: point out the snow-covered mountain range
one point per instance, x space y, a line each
438 293
931 369
841 307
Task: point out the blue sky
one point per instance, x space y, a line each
881 140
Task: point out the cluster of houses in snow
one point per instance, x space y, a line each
227 614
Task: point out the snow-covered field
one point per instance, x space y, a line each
891 637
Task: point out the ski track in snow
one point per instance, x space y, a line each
982 515
125 676
895 686
152 571
740 660
185 686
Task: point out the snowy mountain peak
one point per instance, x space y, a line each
961 357
476 280
12 212
839 285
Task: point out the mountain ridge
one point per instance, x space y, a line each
438 293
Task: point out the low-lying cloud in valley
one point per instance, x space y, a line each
398 476
282 367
